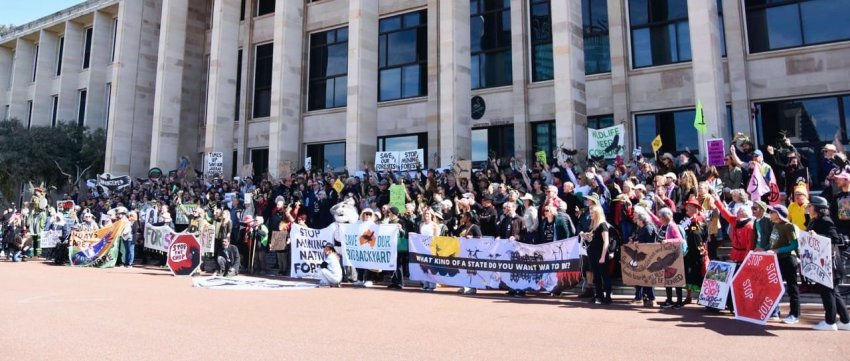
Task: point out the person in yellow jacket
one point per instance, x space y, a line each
797 209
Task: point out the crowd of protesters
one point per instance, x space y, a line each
677 198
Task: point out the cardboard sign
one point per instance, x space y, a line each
277 242
653 264
757 288
285 169
715 285
716 149
411 160
65 207
463 169
248 170
606 142
386 161
816 258
214 165
184 255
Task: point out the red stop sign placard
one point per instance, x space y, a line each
757 287
184 255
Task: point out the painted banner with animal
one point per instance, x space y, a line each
606 142
489 263
715 285
369 245
816 258
101 250
307 252
653 264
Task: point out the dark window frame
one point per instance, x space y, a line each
260 88
421 140
497 142
82 102
59 53
481 53
669 145
594 29
750 9
421 59
264 7
88 38
651 24
536 42
321 50
54 110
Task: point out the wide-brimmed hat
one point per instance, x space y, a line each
437 214
526 197
693 202
593 197
671 175
829 147
781 211
819 202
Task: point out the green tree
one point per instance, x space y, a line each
5 29
61 156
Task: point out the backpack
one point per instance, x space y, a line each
615 239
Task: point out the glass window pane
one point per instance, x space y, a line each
412 19
669 10
400 144
342 34
638 12
337 59
389 24
645 131
684 41
821 19
544 68
411 82
317 94
476 32
341 94
402 47
641 47
775 28
686 134
390 84
496 69
475 71
597 54
335 156
479 145
318 59
329 93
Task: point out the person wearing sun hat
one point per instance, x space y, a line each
783 242
696 256
797 208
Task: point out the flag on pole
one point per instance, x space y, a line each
699 121
757 186
656 144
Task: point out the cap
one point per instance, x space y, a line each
671 175
762 205
694 203
758 153
526 197
394 210
829 148
781 211
801 188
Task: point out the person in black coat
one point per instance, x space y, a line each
822 224
228 261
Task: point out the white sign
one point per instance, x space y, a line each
214 165
411 160
816 258
370 245
386 161
308 163
715 285
307 250
49 239
606 142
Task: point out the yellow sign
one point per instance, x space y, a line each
338 186
656 144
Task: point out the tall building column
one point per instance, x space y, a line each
455 82
736 58
617 35
433 105
285 118
165 139
101 56
361 125
707 67
21 79
6 61
568 58
71 64
519 45
224 46
46 70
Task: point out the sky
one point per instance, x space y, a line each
19 12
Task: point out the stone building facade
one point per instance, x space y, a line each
274 81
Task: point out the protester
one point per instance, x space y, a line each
331 269
783 242
597 253
228 262
821 224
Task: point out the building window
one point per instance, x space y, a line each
401 143
328 69
660 32
81 107
491 142
35 63
87 48
543 137
59 52
675 127
808 123
239 86
114 37
260 162
108 105
54 109
773 25
403 56
327 156
542 65
600 121
597 49
263 80
29 114
242 10
265 7
720 23
490 43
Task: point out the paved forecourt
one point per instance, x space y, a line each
67 313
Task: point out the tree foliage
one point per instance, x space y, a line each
6 28
60 156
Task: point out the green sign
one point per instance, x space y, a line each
397 197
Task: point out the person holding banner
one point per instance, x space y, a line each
430 227
469 229
742 233
821 224
646 232
783 242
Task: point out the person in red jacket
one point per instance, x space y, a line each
741 229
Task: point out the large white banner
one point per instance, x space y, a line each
411 160
215 165
49 239
206 237
816 258
606 142
386 161
369 245
158 238
715 285
306 250
490 263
